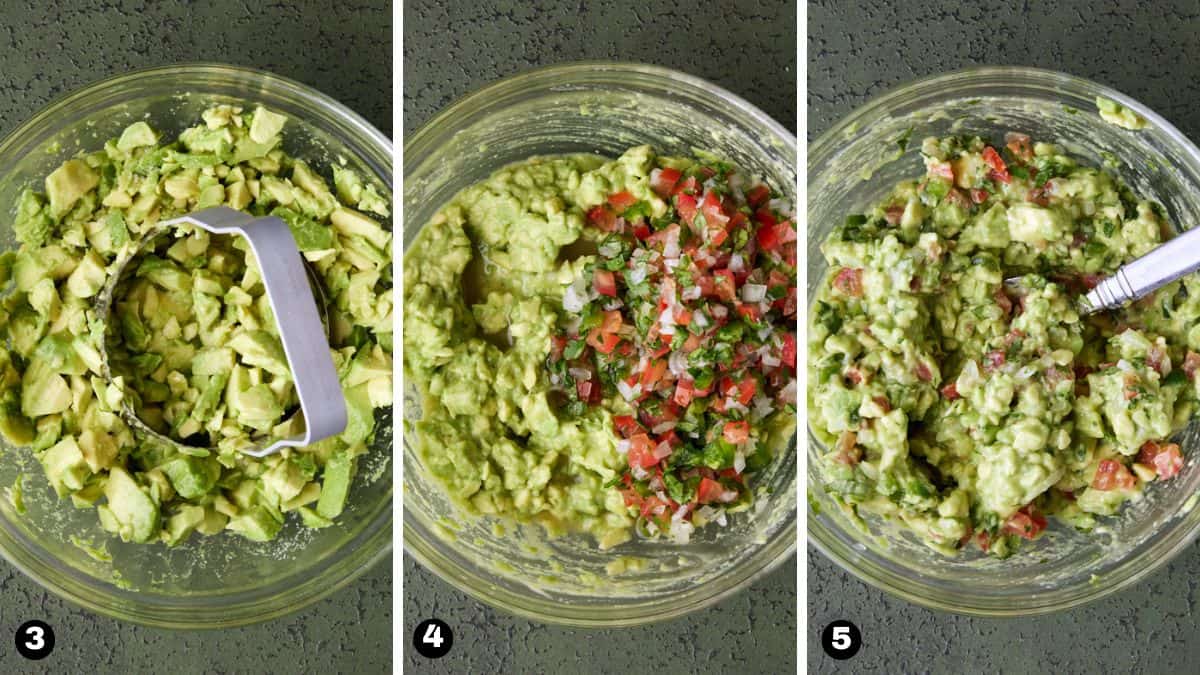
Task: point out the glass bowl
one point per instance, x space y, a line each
851 166
600 108
209 581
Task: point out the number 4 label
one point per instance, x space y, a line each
433 638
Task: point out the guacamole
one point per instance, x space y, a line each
587 358
192 341
968 408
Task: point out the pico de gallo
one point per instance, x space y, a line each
685 321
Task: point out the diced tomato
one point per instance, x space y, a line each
585 388
653 373
653 507
1156 358
942 170
1026 523
1111 474
691 344
621 201
747 388
725 285
683 317
1003 300
771 236
626 426
999 168
1166 458
893 214
788 354
978 196
602 218
663 181
883 403
846 450
604 282
686 206
764 217
1090 281
684 391
737 432
603 342
557 344
984 541
1040 195
611 322
749 312
854 376
849 282
642 231
1020 145
923 372
758 195
688 186
641 452
711 208
950 391
1191 363
709 491
716 237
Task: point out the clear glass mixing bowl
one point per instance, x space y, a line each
209 581
600 108
850 167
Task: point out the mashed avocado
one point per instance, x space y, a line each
966 407
191 338
574 325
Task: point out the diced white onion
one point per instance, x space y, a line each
769 360
580 373
636 275
623 446
719 311
700 319
788 394
727 496
754 292
638 472
691 293
575 297
737 264
677 363
1125 365
680 513
1026 372
610 249
627 392
739 461
671 246
781 205
681 531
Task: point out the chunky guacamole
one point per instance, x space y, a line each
604 346
192 342
968 408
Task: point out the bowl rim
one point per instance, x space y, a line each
879 106
475 586
343 575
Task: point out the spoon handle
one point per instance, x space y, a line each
1170 261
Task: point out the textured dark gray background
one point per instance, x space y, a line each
344 49
452 48
857 50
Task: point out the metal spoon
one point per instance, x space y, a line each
1134 280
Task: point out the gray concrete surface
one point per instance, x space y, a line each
452 48
857 50
344 49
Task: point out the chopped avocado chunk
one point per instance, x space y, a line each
134 514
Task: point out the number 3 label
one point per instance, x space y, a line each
35 640
841 639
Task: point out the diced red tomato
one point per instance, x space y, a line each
950 391
663 182
604 282
724 285
1166 458
764 217
603 342
758 195
716 237
684 391
602 218
999 168
923 372
653 373
711 208
846 450
642 231
737 432
893 214
746 389
688 186
557 344
849 282
1113 475
1003 300
588 390
626 426
1191 363
1020 145
621 201
993 360
788 353
978 196
709 491
641 452
1026 523
686 206
750 312
854 376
